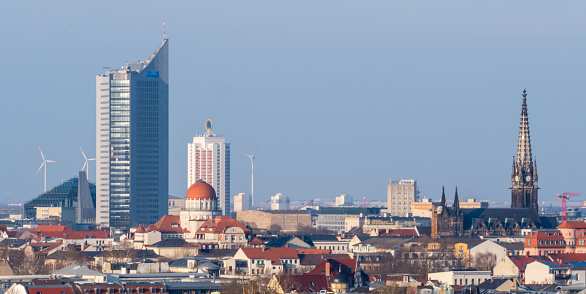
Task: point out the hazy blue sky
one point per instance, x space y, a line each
342 95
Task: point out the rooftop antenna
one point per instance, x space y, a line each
86 164
252 177
164 36
45 161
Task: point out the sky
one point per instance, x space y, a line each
342 95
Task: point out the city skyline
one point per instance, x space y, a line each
439 105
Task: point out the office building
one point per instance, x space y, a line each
241 202
344 200
279 202
209 160
400 195
132 142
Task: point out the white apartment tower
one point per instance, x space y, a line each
400 195
279 202
242 202
209 160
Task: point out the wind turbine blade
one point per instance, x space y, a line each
90 159
256 151
84 166
40 168
43 156
82 153
50 161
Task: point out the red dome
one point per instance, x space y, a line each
200 190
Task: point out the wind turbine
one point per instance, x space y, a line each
86 164
252 179
45 161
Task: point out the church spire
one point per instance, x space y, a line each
456 204
443 203
524 147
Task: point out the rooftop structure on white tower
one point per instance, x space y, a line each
209 161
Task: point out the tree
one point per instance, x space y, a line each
484 261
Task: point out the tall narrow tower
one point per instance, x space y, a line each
132 142
524 175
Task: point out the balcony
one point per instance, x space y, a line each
260 265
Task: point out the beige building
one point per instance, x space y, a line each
400 195
424 207
59 213
288 220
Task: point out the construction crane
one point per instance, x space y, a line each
565 197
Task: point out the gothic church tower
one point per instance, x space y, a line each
524 174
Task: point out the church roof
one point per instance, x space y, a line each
504 215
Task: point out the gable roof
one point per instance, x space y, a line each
274 254
77 270
315 259
568 257
492 284
220 224
167 224
572 225
172 243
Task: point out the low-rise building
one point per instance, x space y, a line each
287 220
263 261
222 232
461 277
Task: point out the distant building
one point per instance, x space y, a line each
400 195
334 218
209 161
279 202
344 200
425 207
132 142
287 220
241 202
176 204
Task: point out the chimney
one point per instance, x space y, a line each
263 248
327 269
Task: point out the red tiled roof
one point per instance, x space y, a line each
401 232
167 224
274 254
335 265
49 290
310 283
256 241
220 224
313 251
66 233
140 229
572 225
568 257
522 261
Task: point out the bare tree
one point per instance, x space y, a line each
483 261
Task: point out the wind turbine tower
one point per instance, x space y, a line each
86 164
252 177
45 161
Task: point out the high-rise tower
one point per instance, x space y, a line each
524 175
132 142
209 160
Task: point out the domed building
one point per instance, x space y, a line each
340 283
201 204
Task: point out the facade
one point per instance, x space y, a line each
524 174
241 202
461 277
132 142
400 195
209 160
279 202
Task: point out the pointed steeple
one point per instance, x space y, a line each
535 168
456 204
524 146
514 171
443 203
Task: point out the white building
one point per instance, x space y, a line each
279 202
400 195
200 205
242 202
209 160
461 277
344 200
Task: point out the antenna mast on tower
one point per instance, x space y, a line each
164 36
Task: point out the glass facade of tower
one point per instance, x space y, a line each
132 142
